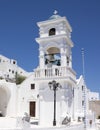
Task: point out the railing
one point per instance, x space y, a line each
54 72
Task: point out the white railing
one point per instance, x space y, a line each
54 72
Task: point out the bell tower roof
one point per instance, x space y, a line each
55 20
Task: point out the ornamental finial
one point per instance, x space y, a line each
55 12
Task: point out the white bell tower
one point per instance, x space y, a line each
55 63
55 42
55 56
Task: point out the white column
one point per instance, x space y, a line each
63 56
73 103
41 57
70 60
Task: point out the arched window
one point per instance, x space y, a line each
52 31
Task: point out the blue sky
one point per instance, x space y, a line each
18 30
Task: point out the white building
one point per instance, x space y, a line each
34 95
9 68
93 96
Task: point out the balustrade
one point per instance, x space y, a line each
54 72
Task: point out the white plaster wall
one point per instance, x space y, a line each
64 103
46 113
12 105
80 97
25 95
76 102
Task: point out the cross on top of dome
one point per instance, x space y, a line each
55 15
55 12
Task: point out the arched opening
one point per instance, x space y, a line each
53 56
4 98
52 31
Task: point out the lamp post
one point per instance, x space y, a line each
54 86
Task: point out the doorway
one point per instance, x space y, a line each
32 108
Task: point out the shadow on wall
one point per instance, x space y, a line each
4 99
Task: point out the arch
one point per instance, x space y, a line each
4 99
53 50
51 44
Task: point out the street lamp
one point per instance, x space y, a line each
54 86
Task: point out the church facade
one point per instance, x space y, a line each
52 92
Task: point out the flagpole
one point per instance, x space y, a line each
83 67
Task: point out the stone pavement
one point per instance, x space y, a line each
93 128
11 124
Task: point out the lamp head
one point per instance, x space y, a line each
50 84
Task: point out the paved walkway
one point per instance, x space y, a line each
93 128
6 123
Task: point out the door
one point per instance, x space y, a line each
32 108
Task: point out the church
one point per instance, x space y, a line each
51 95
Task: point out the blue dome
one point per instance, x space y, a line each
55 16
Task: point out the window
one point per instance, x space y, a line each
12 71
82 88
14 62
73 92
67 60
8 76
52 31
82 103
32 86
